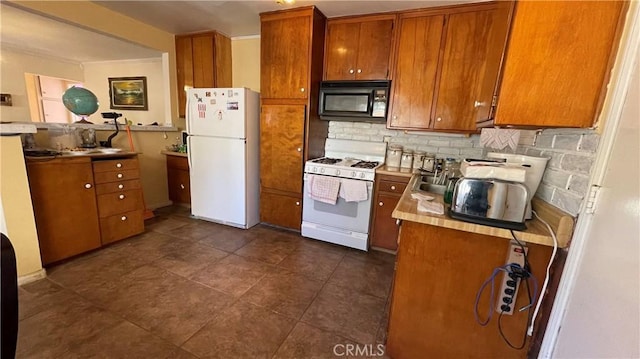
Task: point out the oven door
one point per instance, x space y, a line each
344 216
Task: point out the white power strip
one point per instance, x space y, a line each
509 289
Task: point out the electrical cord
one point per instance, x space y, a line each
546 279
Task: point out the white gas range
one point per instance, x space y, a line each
345 223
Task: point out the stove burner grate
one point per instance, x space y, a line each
366 164
326 160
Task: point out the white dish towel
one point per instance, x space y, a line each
354 190
324 188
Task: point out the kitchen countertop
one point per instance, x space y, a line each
394 171
173 153
91 155
536 231
16 128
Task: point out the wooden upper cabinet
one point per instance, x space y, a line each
359 48
415 71
472 54
284 57
203 60
281 144
446 67
557 62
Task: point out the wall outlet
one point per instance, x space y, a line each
509 289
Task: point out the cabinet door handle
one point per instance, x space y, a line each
380 204
395 117
119 175
477 104
87 185
359 71
119 165
393 188
297 203
121 196
350 71
120 186
299 149
439 119
302 89
123 218
181 186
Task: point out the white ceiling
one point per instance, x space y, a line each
33 33
242 18
39 35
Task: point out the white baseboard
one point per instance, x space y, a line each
32 277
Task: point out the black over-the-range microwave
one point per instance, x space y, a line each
354 100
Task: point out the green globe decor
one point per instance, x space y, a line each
80 101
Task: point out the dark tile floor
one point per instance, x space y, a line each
188 288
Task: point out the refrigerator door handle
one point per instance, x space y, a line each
187 113
189 153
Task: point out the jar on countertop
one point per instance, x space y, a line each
407 159
394 155
418 159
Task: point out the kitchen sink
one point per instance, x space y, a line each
425 183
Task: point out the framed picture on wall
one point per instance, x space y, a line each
128 93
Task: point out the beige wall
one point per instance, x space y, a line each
96 75
14 64
245 56
16 203
95 17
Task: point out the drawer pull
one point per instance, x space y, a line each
182 186
120 186
297 203
123 218
393 188
119 175
380 204
87 185
119 165
121 196
302 89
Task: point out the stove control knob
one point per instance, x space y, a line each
362 175
337 172
353 174
322 170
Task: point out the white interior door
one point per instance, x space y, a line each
602 319
218 179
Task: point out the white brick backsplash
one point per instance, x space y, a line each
589 143
571 153
577 163
567 142
579 184
545 192
567 201
556 178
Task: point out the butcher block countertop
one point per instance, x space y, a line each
395 171
536 232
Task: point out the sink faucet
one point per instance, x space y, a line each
114 116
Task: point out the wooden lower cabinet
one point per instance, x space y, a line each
65 207
281 210
384 230
79 203
438 274
178 179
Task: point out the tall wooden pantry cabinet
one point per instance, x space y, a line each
292 49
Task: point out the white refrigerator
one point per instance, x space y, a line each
224 151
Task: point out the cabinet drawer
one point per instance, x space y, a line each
117 186
180 163
119 202
392 187
115 165
116 176
121 226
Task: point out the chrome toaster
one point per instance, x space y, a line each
490 202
